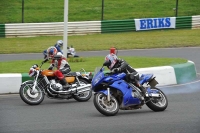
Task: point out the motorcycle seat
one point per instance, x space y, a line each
70 74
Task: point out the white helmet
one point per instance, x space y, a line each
112 58
60 43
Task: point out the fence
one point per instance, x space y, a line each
41 11
85 27
51 29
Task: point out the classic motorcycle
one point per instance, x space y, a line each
45 82
112 93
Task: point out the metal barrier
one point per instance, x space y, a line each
84 27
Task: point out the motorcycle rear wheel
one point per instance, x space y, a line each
158 104
103 106
85 96
31 98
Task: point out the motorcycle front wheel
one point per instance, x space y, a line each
29 97
85 96
158 104
105 107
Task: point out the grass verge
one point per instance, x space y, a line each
89 63
128 40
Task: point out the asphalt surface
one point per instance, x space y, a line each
70 116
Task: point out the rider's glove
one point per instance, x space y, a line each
35 66
51 67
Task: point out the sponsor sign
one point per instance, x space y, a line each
155 23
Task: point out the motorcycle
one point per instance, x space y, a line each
45 82
113 93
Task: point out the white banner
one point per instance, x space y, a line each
155 23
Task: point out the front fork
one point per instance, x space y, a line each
35 83
108 96
107 93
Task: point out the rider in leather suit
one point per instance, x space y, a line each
119 65
58 46
60 62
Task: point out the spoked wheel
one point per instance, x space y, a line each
84 96
29 97
158 104
105 107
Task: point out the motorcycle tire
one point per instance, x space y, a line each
103 106
158 104
86 97
28 97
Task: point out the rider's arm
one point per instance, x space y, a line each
120 67
58 48
123 65
45 60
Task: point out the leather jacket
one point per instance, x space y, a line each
123 66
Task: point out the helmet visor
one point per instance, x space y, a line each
112 59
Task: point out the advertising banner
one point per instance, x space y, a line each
155 23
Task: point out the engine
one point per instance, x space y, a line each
136 91
136 94
55 86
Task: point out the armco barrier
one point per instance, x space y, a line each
165 75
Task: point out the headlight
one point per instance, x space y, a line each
32 72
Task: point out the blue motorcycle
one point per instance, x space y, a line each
113 92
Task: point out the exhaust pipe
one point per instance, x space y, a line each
79 89
84 88
154 95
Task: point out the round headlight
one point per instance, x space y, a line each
31 72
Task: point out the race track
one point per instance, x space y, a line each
70 116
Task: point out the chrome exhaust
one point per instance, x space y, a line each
84 88
79 89
154 95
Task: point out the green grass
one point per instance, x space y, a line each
90 63
36 11
128 40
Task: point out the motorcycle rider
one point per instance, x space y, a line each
58 46
60 62
118 65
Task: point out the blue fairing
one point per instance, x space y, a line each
128 99
97 78
145 78
149 90
116 81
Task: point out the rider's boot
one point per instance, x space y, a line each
65 85
144 91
